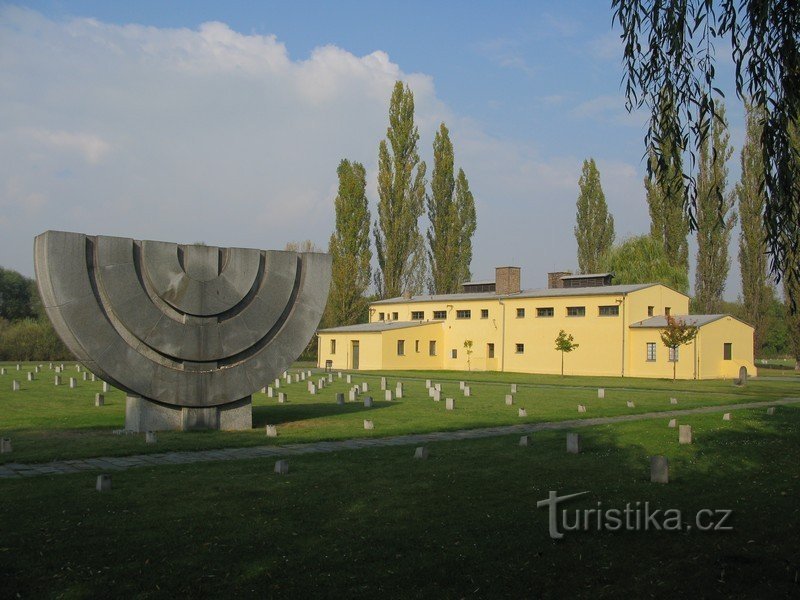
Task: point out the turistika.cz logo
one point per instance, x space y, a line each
637 516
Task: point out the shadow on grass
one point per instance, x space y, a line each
288 412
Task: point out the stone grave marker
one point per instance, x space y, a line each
673 423
330 377
368 424
5 446
601 393
352 395
383 383
282 467
398 390
467 391
57 380
277 383
427 383
421 453
312 389
364 387
525 440
437 395
573 443
103 483
99 399
150 437
272 431
726 417
673 400
339 398
14 385
659 469
105 387
282 397
388 394
73 383
449 404
85 376
2 371
438 387
509 400
513 388
270 392
685 434
348 378
368 402
581 408
30 375
630 404
522 412
771 410
461 385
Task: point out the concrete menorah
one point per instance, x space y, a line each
189 332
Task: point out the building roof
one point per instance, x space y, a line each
586 276
483 282
660 322
376 327
605 290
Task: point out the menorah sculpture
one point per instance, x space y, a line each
189 332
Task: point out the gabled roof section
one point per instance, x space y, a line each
605 290
377 327
660 322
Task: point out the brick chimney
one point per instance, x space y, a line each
506 280
554 279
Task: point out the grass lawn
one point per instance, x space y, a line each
58 423
464 524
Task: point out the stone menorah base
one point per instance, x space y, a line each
143 414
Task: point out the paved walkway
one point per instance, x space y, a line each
15 470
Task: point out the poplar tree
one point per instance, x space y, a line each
666 192
715 217
401 191
757 292
467 223
594 231
349 248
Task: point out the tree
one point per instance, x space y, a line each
666 195
757 291
594 230
401 191
467 223
643 259
676 334
443 232
715 218
671 46
16 295
468 350
791 285
349 248
565 343
304 246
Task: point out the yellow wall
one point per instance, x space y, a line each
662 366
370 350
413 359
713 337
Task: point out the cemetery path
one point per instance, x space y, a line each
120 463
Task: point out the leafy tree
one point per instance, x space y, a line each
29 339
304 246
401 191
443 233
757 291
16 295
791 285
676 334
715 218
594 230
565 344
349 248
642 259
468 350
671 46
666 195
467 223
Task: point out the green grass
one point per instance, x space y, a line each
463 524
57 423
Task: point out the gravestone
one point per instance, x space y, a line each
659 469
522 412
58 369
421 453
99 399
431 392
73 383
330 377
509 400
78 368
461 385
3 371
94 378
437 395
368 402
352 395
388 394
368 424
467 391
303 376
364 387
513 388
37 368
150 437
30 375
276 383
630 404
427 383
339 375
685 434
398 390
5 446
340 398
312 389
18 367
272 431
383 383
673 400
85 376
581 408
349 378
105 387
309 387
573 443
103 483
282 397
742 380
438 387
270 392
449 404
601 393
282 467
321 384
14 385
726 417
771 410
673 423
525 440
57 380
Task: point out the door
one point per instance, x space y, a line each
355 354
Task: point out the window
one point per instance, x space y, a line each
432 347
650 310
416 346
333 346
440 314
520 313
576 311
401 347
520 348
417 315
394 316
490 350
609 311
727 351
673 354
545 312
453 353
463 314
666 311
651 351
484 313
380 317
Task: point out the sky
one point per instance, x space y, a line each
194 121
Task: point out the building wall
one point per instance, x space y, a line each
370 350
711 345
414 357
661 367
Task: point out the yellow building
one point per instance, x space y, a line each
495 326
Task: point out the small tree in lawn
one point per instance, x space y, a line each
676 334
468 349
565 343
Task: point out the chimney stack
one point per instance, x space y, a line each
507 280
554 279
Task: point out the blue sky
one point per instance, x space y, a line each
194 121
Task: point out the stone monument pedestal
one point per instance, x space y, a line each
143 414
